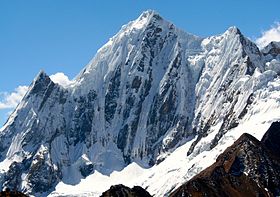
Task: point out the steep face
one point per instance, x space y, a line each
226 85
144 87
150 89
247 168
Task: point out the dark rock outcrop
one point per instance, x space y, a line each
123 191
9 193
272 49
271 139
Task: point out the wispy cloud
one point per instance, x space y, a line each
61 79
11 100
273 34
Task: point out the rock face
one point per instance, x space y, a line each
9 193
150 89
121 191
271 139
247 168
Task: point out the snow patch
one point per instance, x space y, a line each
97 183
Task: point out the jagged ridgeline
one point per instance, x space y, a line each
150 89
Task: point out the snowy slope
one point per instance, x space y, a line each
155 100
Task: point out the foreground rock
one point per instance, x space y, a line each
121 191
9 193
247 168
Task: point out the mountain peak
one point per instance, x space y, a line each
149 13
41 75
40 82
148 24
146 18
234 30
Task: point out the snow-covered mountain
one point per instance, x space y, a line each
155 101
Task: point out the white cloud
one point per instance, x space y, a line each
61 79
11 100
273 34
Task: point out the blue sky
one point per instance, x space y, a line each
63 35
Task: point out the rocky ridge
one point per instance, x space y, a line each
247 168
